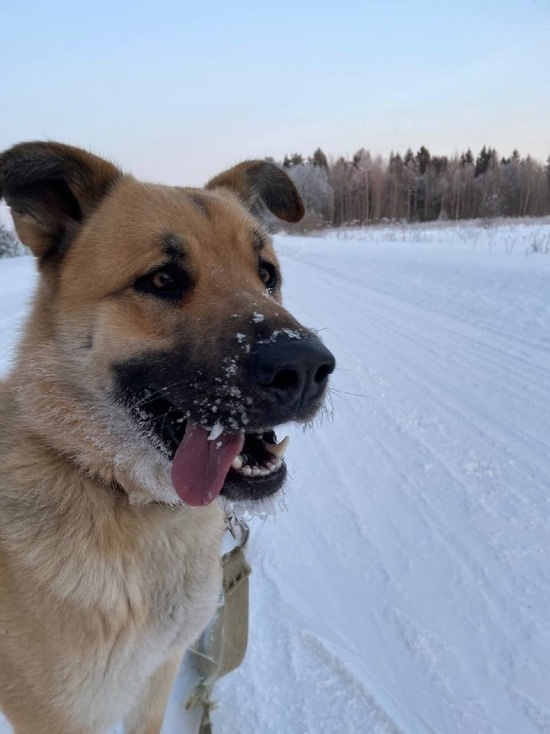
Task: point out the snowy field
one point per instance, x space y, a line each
406 589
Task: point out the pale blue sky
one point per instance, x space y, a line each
175 91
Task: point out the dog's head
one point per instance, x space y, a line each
158 346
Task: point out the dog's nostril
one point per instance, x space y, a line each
285 380
322 373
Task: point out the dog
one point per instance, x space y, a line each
155 364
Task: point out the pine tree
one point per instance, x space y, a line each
319 159
408 158
467 159
486 159
423 159
295 159
440 163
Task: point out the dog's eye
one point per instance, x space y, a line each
268 274
169 282
163 281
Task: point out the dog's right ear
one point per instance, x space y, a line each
262 186
51 189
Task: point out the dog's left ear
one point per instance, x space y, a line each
51 189
261 185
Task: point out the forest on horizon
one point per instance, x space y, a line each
418 187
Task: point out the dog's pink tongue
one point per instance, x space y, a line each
200 466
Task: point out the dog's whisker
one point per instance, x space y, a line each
160 416
345 392
155 394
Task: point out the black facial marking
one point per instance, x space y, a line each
173 246
165 424
232 379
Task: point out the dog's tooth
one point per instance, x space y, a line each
237 462
256 471
247 470
279 449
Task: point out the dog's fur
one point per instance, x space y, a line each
105 576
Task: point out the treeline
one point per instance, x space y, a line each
419 187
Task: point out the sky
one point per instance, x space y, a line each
176 91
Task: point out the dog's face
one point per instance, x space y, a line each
163 311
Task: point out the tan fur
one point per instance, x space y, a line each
105 578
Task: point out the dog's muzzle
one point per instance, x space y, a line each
216 424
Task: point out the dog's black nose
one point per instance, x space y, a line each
292 369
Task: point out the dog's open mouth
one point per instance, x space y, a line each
208 462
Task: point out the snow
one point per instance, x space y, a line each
215 432
5 216
407 587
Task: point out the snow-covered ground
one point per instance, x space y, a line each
407 587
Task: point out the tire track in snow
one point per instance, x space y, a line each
421 364
420 373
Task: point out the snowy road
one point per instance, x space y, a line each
407 588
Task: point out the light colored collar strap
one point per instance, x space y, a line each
222 647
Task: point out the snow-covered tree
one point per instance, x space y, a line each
9 244
314 187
